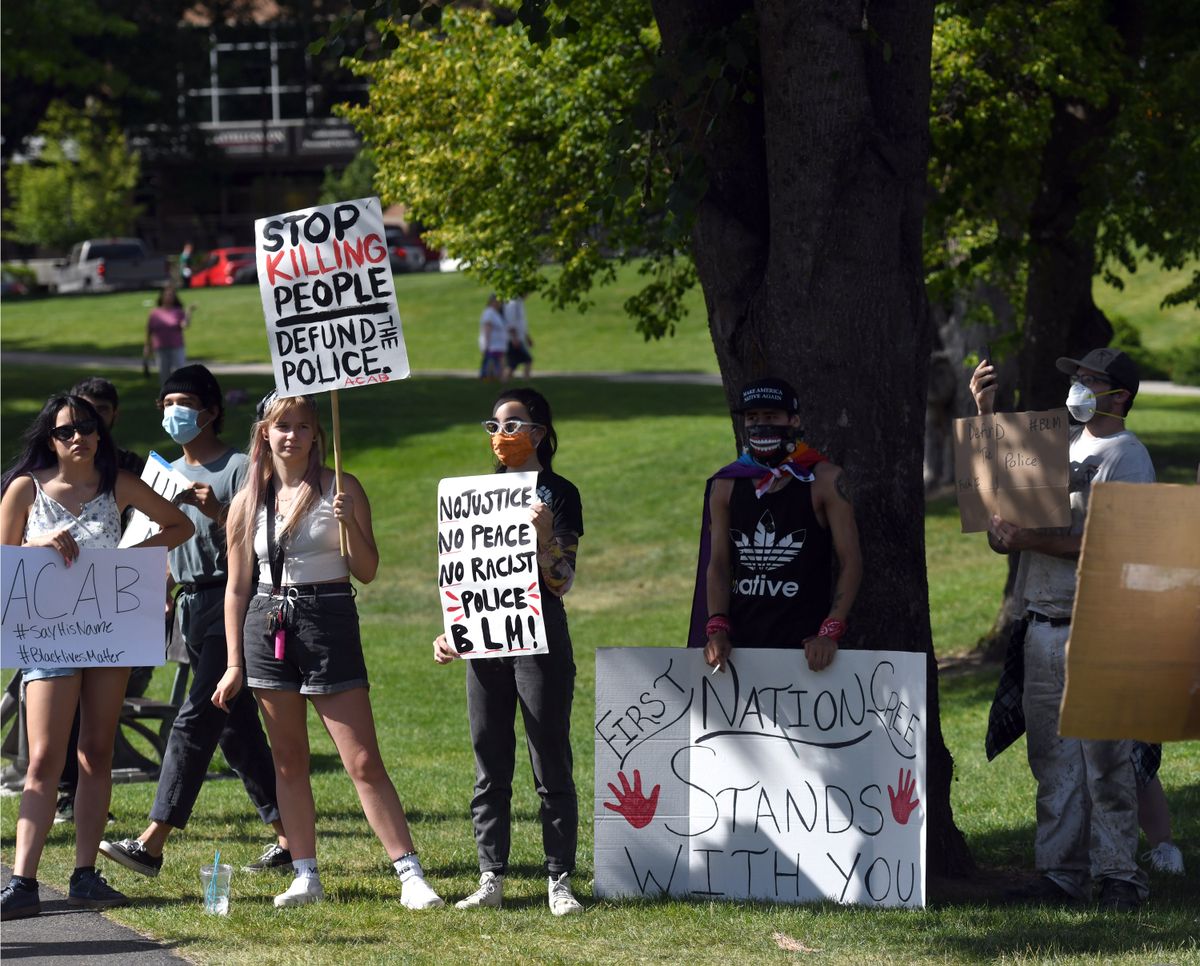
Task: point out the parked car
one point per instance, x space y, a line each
10 285
110 265
408 253
222 267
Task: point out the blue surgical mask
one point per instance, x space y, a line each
182 424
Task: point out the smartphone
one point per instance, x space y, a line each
985 353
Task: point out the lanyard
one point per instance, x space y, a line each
274 550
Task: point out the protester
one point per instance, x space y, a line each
524 440
493 339
293 622
1087 809
65 492
193 414
164 333
774 519
516 325
185 265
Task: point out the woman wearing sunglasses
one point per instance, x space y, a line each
65 492
293 621
523 440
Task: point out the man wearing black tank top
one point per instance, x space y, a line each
776 518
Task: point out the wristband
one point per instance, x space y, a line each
832 628
717 623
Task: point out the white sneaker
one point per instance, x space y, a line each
1165 857
416 893
303 890
489 895
562 899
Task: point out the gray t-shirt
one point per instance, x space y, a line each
202 559
1050 581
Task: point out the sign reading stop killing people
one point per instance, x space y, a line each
328 298
487 565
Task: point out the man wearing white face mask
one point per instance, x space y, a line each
1087 804
193 412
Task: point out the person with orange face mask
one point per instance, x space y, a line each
523 440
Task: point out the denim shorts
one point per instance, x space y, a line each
45 673
322 649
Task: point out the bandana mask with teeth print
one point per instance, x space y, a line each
768 444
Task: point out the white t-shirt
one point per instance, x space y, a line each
1050 581
492 335
517 323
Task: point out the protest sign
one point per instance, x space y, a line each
1133 658
167 483
328 298
105 610
1014 465
487 565
768 781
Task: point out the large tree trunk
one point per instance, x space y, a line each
808 248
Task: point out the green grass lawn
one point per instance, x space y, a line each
1140 302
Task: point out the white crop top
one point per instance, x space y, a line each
311 552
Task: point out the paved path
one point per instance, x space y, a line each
63 934
1149 386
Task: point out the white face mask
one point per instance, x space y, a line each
1081 402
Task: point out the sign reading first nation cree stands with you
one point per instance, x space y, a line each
768 781
487 565
105 610
328 298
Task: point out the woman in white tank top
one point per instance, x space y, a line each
293 626
66 493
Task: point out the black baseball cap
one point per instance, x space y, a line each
1120 369
769 394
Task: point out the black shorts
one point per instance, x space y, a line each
518 355
322 649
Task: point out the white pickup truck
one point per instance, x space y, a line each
109 265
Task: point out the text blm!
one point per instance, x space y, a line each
328 298
487 566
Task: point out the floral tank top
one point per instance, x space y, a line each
98 526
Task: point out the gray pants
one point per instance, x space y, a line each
544 687
1087 825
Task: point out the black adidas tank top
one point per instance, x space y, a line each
781 555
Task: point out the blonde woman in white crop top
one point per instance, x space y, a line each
292 634
66 493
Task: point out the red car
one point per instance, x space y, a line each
221 266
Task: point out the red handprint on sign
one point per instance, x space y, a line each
637 809
902 801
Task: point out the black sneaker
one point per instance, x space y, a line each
18 903
1117 895
92 892
133 855
1043 890
274 857
64 810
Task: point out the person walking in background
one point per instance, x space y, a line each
185 265
493 339
543 685
66 493
519 340
292 621
164 333
193 413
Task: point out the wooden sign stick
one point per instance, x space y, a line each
337 463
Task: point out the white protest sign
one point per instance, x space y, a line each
105 610
167 483
487 565
328 298
768 781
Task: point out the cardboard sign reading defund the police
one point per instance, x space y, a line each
768 781
1014 465
1133 659
168 483
487 565
105 610
328 298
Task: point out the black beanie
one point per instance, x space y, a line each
195 380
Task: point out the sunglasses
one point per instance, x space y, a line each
64 434
510 427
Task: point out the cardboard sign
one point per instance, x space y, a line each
167 483
328 298
1014 465
768 781
105 610
487 565
1133 659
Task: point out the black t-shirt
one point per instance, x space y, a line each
560 494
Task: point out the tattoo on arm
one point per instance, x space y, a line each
843 487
